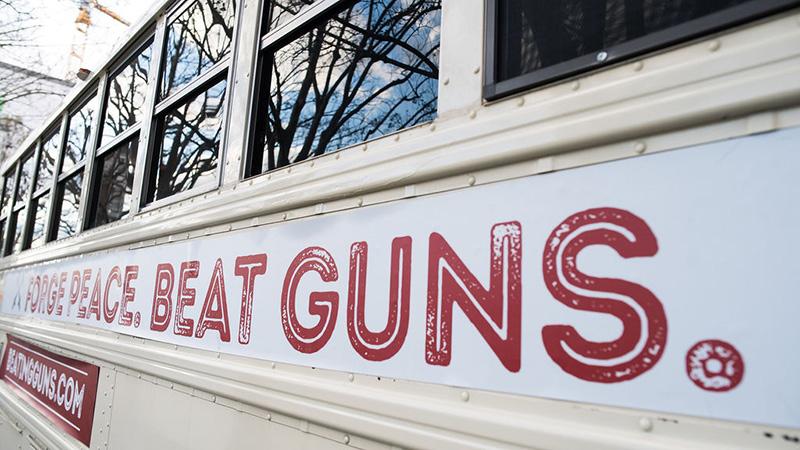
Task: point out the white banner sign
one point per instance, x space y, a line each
666 282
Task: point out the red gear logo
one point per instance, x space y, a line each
714 365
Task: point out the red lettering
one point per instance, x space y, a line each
87 274
162 297
32 299
110 313
382 345
495 313
186 295
561 275
74 290
128 295
42 302
324 305
94 300
52 289
248 267
215 307
61 280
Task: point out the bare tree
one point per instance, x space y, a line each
20 85
369 70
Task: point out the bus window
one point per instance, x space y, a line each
37 228
25 178
48 159
357 73
126 95
115 170
68 202
532 42
281 11
189 117
197 39
78 135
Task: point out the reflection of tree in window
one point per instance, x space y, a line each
25 178
190 146
47 160
540 33
70 204
126 96
283 10
80 125
370 70
19 221
8 186
40 215
116 183
197 39
2 237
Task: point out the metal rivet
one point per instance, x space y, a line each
351 377
273 364
645 424
364 148
714 45
521 101
269 416
284 218
446 81
640 147
269 177
471 180
338 155
312 164
602 56
289 170
465 396
476 70
360 202
473 114
638 66
213 398
433 127
576 85
396 137
346 439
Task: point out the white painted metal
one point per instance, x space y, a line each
747 82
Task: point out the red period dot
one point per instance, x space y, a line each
714 365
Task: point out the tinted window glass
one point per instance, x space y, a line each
535 34
190 146
283 10
8 186
25 178
47 160
370 70
126 96
69 201
80 125
115 170
40 216
196 40
18 219
2 237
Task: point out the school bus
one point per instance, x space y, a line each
581 215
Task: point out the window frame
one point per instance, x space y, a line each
270 40
494 89
149 149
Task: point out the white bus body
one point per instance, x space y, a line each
602 258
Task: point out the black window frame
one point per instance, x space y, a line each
494 89
133 132
308 17
221 70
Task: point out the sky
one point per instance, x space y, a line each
49 45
